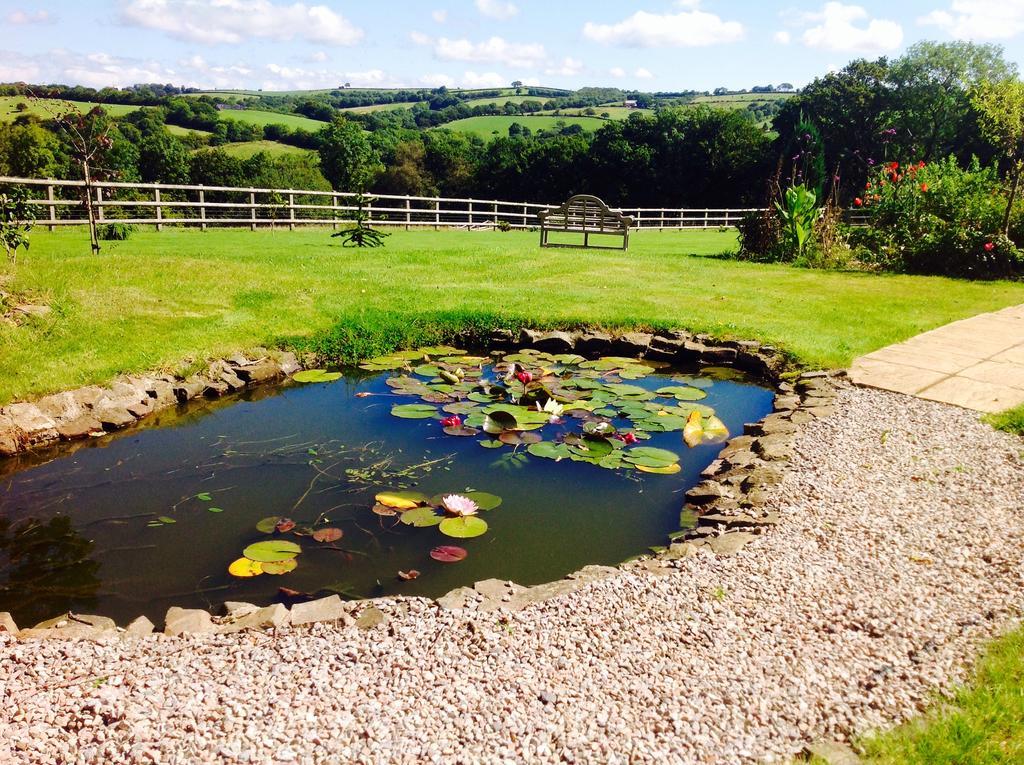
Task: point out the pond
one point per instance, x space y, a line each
416 474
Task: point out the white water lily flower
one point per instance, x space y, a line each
456 504
552 408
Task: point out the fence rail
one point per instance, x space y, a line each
162 205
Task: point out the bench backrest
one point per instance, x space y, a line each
585 212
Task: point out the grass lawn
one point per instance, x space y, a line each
159 298
49 107
1012 420
251 148
983 724
488 127
262 118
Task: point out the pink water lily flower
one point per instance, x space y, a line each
451 422
456 504
524 377
627 438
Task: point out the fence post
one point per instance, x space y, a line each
526 212
99 203
202 209
662 227
705 218
437 215
408 213
494 225
252 210
334 214
52 206
159 209
291 211
470 215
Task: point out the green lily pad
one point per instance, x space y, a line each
650 452
491 444
549 450
463 528
215 509
316 376
166 519
414 411
204 497
484 500
426 370
268 524
421 517
271 550
682 392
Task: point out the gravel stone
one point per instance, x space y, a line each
894 558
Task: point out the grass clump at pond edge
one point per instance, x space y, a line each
161 297
982 724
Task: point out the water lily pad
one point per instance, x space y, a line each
491 444
484 500
166 519
414 411
267 525
594 448
463 528
421 517
498 422
328 535
460 407
278 567
448 554
549 450
271 550
715 429
461 430
440 350
662 470
284 525
426 370
650 452
693 433
244 568
316 376
682 392
723 373
204 496
215 509
402 500
384 510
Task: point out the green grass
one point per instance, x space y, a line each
382 107
502 100
1012 420
491 127
261 118
159 298
614 112
46 109
983 724
179 130
250 148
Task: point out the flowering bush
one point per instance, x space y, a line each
935 218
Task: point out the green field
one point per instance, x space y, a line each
159 298
179 130
382 107
614 112
740 100
262 118
490 127
502 100
47 108
251 148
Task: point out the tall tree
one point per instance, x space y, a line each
1000 108
347 158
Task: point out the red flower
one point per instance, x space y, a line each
858 202
524 377
894 165
924 187
627 438
451 422
989 246
868 186
920 164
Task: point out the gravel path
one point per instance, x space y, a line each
901 547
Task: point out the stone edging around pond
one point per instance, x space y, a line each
722 513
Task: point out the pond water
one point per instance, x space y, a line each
154 517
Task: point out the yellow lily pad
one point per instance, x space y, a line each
244 568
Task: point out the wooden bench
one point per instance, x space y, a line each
584 214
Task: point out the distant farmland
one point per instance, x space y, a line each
261 118
490 127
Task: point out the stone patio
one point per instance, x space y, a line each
975 363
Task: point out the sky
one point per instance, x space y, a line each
651 45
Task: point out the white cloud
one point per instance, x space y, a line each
19 17
494 50
497 9
849 28
235 21
643 74
468 80
979 19
617 72
440 15
782 37
318 57
689 28
568 67
420 39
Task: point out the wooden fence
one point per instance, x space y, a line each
160 205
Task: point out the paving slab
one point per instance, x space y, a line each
975 363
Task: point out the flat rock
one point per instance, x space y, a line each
235 609
140 626
594 343
189 389
327 609
730 543
60 406
774 448
633 343
832 753
33 311
767 475
195 621
258 372
81 427
460 597
555 342
73 626
370 618
36 426
289 363
7 623
115 417
718 355
268 617
496 589
704 492
10 437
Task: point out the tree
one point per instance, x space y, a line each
407 172
347 159
16 219
29 151
932 85
163 159
1000 108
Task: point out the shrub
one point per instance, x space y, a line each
936 219
16 219
115 232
